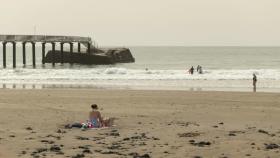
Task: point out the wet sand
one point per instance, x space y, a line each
148 124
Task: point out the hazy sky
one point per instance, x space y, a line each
148 22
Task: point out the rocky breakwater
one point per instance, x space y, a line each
96 56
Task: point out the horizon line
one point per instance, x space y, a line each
189 46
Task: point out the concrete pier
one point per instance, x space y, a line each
43 52
14 54
43 40
23 53
90 54
4 54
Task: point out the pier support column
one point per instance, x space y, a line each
4 54
24 53
71 53
43 53
62 53
53 53
88 48
33 54
14 54
79 47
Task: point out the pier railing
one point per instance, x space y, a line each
44 38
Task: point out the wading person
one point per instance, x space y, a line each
191 70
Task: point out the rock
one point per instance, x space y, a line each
126 139
98 151
200 144
114 134
233 133
120 55
110 152
142 144
189 134
47 141
114 146
191 141
142 156
39 150
133 154
28 128
136 155
83 147
78 156
271 146
59 153
87 151
50 135
263 131
55 148
96 56
81 138
154 138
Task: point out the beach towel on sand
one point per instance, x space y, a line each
86 125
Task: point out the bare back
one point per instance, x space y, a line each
95 115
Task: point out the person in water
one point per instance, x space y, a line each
191 70
96 120
197 68
254 82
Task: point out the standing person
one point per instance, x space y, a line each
197 68
254 82
191 70
200 70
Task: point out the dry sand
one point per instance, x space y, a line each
149 124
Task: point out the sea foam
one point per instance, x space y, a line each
115 73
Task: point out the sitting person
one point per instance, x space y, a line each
96 120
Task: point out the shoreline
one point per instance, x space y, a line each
142 88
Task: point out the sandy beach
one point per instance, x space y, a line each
148 124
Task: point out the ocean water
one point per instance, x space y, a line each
224 68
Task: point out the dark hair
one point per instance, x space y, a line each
94 106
